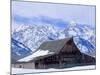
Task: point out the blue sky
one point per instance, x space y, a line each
57 14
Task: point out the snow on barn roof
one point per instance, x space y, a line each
34 55
47 48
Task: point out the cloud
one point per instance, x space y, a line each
39 20
79 13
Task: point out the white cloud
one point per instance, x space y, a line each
78 13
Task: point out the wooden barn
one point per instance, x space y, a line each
61 53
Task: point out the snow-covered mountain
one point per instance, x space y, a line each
84 37
19 50
34 35
85 46
85 31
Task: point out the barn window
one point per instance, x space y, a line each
20 66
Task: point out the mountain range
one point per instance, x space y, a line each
27 38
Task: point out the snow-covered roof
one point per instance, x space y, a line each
34 55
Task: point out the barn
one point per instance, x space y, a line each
62 53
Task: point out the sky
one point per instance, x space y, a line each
57 14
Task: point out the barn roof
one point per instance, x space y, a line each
46 49
53 46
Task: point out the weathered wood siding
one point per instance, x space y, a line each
29 65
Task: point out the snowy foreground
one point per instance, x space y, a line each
26 71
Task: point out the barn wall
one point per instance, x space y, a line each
29 65
65 59
89 59
17 65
